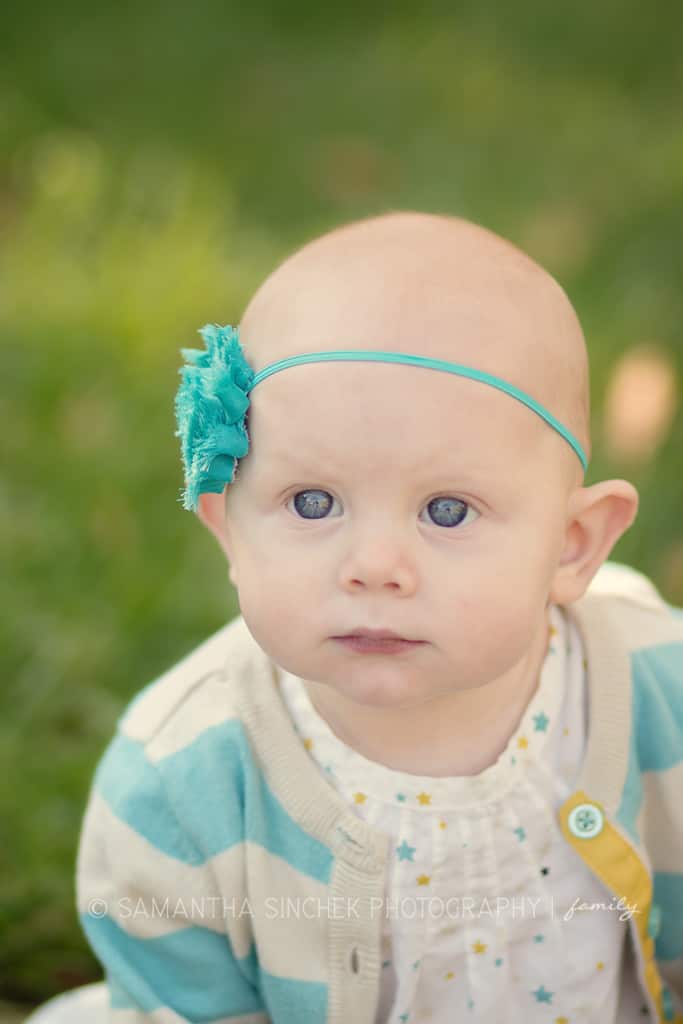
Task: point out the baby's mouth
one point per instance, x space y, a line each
379 641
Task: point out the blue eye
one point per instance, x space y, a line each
448 511
313 504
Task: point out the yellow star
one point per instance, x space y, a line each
308 743
522 743
424 798
599 966
478 947
451 974
442 824
424 879
562 1020
551 631
565 731
359 798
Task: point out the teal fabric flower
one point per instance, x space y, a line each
210 407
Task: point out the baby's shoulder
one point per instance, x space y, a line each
626 616
203 689
635 604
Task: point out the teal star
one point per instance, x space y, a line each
329 769
404 1017
401 797
385 963
404 851
498 961
416 965
520 833
541 722
542 996
470 1004
513 759
538 938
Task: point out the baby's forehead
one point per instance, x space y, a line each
365 418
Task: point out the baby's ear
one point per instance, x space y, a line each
597 517
211 511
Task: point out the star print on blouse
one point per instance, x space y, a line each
542 995
541 722
404 851
424 798
520 833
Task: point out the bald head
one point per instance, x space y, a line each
432 285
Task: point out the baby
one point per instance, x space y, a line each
430 772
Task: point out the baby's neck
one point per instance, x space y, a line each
461 733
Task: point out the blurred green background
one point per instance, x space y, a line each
156 161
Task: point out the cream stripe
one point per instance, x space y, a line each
662 820
153 706
290 916
120 867
209 704
609 715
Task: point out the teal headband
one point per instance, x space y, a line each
212 402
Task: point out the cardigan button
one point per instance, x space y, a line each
654 921
586 821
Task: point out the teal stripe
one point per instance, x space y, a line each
193 971
135 791
658 706
203 799
221 796
656 742
668 895
292 1002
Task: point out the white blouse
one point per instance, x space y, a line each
489 914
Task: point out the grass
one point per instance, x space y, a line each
157 161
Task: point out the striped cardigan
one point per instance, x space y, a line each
220 877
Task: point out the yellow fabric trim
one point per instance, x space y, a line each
612 858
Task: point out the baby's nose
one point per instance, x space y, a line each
378 561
